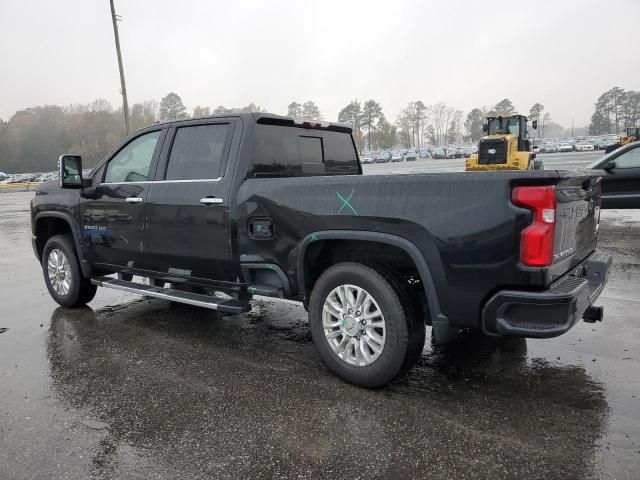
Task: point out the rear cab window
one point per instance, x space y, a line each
283 151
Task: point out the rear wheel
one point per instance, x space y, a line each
363 324
62 273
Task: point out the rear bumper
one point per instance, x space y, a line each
552 312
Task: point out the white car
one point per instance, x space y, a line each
366 159
565 147
584 147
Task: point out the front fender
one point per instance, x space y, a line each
76 233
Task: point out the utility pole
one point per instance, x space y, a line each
123 87
572 127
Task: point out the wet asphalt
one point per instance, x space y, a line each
137 388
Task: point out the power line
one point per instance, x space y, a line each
125 104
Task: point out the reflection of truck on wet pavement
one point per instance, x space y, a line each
213 211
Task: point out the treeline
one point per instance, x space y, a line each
418 124
615 110
33 138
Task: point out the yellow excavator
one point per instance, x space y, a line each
632 134
506 146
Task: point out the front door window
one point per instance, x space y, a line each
132 163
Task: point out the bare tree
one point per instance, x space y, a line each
310 111
371 115
420 120
199 111
294 110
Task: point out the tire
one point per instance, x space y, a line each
401 334
415 316
66 284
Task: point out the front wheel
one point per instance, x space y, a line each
62 273
362 324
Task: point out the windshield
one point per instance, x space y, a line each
509 125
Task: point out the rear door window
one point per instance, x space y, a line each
199 152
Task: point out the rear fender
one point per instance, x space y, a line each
442 330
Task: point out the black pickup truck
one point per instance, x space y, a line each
213 211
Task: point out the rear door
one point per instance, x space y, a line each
188 229
113 221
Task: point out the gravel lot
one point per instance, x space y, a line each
139 388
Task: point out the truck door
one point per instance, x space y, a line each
621 185
112 221
188 230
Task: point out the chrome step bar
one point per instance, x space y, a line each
224 305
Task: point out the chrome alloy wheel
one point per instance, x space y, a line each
353 325
59 271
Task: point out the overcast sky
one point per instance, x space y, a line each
562 54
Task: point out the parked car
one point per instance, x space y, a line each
451 152
210 212
621 184
396 157
424 153
470 151
366 159
383 157
535 149
584 147
439 153
549 148
565 147
410 156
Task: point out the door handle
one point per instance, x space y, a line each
133 200
211 201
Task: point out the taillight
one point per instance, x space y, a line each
536 241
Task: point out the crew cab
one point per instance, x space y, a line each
213 211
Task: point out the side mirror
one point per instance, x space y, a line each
534 124
485 127
610 166
70 169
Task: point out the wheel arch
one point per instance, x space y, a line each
406 246
48 224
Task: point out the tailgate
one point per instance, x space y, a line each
577 221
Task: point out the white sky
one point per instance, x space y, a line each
563 54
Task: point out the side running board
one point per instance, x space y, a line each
199 300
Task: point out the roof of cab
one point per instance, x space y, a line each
264 118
